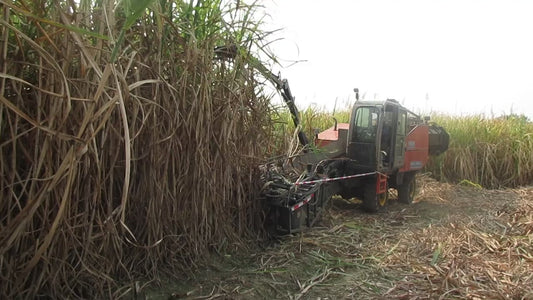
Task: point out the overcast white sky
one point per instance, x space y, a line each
454 56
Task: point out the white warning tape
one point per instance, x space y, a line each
335 179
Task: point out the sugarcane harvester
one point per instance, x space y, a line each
383 146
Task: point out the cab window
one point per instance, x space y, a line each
402 123
366 124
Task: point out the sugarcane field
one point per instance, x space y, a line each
156 150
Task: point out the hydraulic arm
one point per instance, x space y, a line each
282 85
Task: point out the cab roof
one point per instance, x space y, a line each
392 102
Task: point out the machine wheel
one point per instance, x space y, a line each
372 201
407 190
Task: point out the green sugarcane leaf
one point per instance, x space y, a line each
135 9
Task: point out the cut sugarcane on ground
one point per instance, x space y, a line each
457 241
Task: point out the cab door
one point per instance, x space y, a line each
362 137
401 133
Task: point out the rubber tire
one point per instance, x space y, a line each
370 199
407 190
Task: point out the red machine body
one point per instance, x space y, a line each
417 148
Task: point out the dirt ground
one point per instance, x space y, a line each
455 242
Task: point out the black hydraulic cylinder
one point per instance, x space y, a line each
289 100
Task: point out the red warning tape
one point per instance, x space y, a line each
335 179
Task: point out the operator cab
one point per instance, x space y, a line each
377 135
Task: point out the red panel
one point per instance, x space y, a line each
417 145
381 186
327 136
322 143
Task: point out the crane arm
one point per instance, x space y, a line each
282 85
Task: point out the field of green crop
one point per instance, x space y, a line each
490 152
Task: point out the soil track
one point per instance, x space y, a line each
455 242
